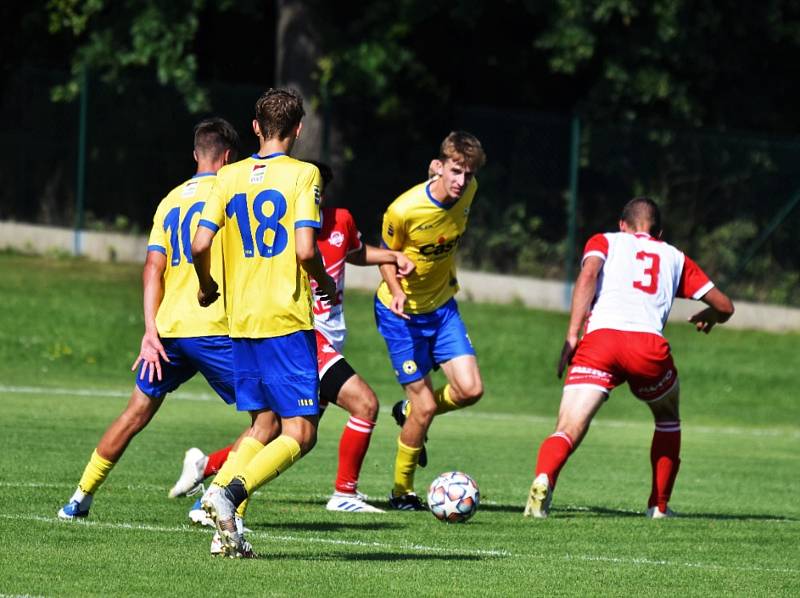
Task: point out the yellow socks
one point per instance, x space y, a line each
444 401
270 462
405 465
237 460
95 473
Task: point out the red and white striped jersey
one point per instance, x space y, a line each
639 281
337 238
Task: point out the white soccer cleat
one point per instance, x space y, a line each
218 548
539 498
191 480
656 513
350 503
222 511
198 516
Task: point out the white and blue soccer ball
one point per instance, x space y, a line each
453 497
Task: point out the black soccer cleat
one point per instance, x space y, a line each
406 502
399 415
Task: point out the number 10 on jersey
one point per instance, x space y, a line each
269 206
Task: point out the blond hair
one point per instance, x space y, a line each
461 146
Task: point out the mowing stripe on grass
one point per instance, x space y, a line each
409 547
538 419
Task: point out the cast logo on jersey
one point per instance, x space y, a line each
317 195
189 189
336 239
409 366
257 174
441 247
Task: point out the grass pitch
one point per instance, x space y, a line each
69 331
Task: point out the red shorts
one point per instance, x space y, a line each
606 358
327 355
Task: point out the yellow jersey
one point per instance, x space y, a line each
428 232
261 201
174 224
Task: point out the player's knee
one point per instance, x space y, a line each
307 441
471 393
423 412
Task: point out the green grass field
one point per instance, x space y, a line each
69 331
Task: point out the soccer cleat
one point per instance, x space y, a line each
190 482
406 502
74 510
399 415
539 498
217 548
199 516
656 513
223 513
350 503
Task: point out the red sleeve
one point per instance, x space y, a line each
596 246
694 282
353 234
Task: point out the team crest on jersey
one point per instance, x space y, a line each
189 189
336 239
257 174
409 366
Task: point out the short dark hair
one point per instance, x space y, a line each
212 136
278 112
642 212
325 171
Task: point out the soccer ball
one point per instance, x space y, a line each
453 497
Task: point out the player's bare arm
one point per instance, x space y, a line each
152 351
390 275
201 256
310 259
582 296
720 309
369 255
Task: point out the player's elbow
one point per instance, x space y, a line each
199 247
725 309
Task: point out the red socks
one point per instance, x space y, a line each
664 457
553 453
352 448
215 461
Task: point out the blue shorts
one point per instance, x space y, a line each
278 373
212 356
416 345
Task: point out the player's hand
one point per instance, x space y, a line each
567 351
398 304
150 354
207 296
405 266
326 290
705 320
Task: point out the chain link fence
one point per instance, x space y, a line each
729 200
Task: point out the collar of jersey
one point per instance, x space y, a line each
275 155
202 174
437 203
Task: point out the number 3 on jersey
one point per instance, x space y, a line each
238 208
652 264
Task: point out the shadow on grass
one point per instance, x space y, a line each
376 556
608 512
327 526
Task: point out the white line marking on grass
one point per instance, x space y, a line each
407 547
536 419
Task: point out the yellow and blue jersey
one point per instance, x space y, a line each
261 201
174 224
428 232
